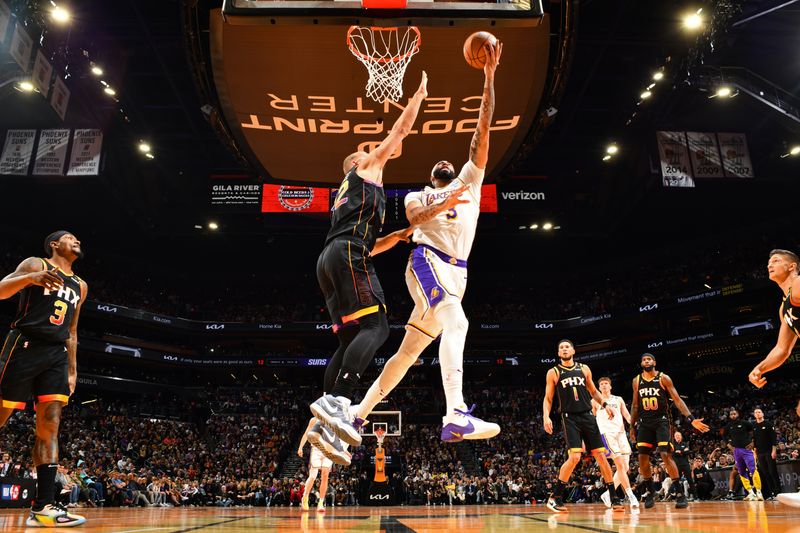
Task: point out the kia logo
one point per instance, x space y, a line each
379 497
324 326
648 307
215 326
544 325
655 344
106 308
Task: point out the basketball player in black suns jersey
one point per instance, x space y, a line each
38 358
573 384
650 408
353 294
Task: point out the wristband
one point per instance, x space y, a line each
690 418
604 405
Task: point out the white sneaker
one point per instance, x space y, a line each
759 496
750 497
334 412
792 499
320 506
632 499
606 497
460 425
53 515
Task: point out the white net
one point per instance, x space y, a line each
386 52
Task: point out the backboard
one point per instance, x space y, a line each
391 421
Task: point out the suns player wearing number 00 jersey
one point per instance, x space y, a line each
38 359
436 274
615 439
652 391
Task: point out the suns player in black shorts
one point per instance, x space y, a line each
651 411
38 359
573 384
353 294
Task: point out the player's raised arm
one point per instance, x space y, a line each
547 403
372 165
697 423
479 147
29 272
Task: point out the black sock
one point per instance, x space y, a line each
45 484
612 492
559 490
346 383
648 484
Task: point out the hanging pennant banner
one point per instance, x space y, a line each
86 147
5 18
16 158
675 167
60 97
21 47
42 72
704 152
735 155
51 153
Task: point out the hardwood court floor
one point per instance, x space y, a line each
728 517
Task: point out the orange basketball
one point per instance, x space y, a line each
474 51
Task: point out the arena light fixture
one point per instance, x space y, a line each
645 95
693 21
26 86
213 226
724 91
109 91
658 76
612 149
60 15
650 87
149 155
547 226
534 226
97 71
607 157
198 226
793 151
144 147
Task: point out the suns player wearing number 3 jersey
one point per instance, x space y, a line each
650 408
436 275
38 358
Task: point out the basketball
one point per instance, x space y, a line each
474 51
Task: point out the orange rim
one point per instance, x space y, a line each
393 59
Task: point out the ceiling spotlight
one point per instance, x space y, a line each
795 150
198 226
26 86
645 95
658 76
606 157
694 20
60 15
144 147
612 149
109 91
547 226
148 155
213 226
724 91
534 226
523 227
651 86
97 71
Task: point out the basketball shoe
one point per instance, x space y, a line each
304 503
320 506
759 496
53 515
460 425
335 413
792 499
650 500
556 504
329 444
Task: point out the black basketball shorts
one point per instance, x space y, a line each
30 367
655 433
348 281
580 429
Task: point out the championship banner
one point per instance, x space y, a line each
86 147
60 97
294 199
16 157
5 18
704 152
42 72
21 47
735 155
51 153
675 166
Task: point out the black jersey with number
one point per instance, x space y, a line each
573 396
791 313
653 398
358 210
47 315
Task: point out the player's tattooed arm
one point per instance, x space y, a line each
697 423
479 147
635 402
72 342
417 214
29 272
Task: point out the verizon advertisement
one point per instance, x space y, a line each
295 199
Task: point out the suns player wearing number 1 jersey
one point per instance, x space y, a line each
436 275
650 408
38 358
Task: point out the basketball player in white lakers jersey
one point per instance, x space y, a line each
317 463
436 275
616 439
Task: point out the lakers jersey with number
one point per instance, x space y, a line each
653 398
358 210
790 313
573 396
47 315
452 231
614 425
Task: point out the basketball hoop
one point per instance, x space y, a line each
386 52
380 434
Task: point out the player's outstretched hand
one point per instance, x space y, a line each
423 85
548 426
47 279
698 424
454 200
493 53
405 234
299 452
757 378
633 434
610 413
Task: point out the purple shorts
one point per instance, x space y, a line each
745 461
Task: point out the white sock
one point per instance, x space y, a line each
395 369
451 351
631 495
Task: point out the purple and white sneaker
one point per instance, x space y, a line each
461 425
